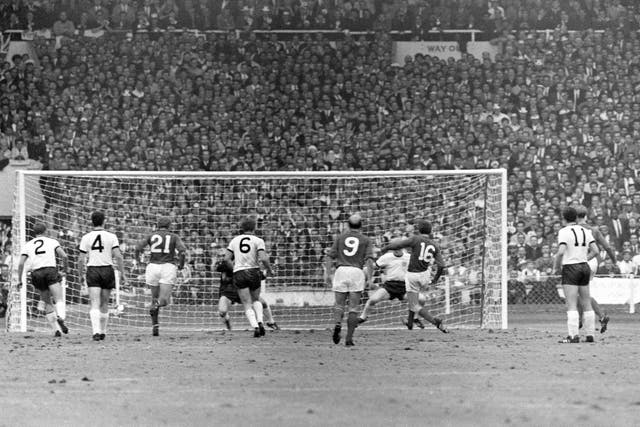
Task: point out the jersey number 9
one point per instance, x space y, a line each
352 244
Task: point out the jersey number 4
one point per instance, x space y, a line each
156 244
584 237
97 244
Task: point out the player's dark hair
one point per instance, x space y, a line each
355 222
247 223
569 214
39 228
581 211
97 218
423 227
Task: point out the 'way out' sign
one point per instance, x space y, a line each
442 50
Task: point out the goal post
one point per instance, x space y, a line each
298 213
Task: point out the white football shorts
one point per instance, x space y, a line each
416 282
163 274
348 279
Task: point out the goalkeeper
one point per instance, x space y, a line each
228 294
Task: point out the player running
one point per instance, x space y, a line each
41 252
353 254
601 242
574 244
245 255
100 250
166 250
425 254
394 268
228 295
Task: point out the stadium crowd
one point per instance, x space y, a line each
560 110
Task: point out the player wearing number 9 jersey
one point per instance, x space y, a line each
100 251
425 255
352 252
167 255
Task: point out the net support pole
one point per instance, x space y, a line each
447 296
632 296
504 299
22 236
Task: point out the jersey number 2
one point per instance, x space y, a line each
39 250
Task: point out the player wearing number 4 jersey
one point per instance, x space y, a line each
353 255
100 251
166 250
575 243
425 255
245 254
41 253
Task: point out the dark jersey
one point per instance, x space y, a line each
226 279
351 248
424 253
163 246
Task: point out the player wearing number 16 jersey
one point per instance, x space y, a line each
352 252
425 255
100 251
167 256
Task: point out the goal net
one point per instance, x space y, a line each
299 214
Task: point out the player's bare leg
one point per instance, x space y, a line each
379 295
105 294
60 306
352 319
247 304
268 315
571 296
50 313
94 311
223 310
338 313
413 300
257 308
602 315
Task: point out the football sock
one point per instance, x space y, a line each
268 315
428 317
410 317
573 319
589 322
61 309
352 323
52 319
251 316
257 308
94 315
104 319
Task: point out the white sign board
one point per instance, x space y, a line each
442 50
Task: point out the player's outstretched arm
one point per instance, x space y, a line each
64 259
439 264
182 252
117 256
368 269
602 242
23 260
396 244
266 263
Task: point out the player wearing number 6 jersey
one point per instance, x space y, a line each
245 254
167 250
100 251
425 254
353 255
41 253
575 243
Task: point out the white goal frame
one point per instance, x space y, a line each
20 213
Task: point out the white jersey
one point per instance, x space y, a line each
577 240
99 244
41 252
245 248
394 267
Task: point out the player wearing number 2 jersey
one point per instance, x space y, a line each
100 251
352 252
167 255
425 255
41 253
245 254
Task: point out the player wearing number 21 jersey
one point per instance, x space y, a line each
425 255
352 252
167 255
100 251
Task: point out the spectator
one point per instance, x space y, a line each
63 26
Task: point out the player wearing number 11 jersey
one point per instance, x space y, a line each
425 255
167 256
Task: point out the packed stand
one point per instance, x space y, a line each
559 110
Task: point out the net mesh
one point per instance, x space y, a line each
298 217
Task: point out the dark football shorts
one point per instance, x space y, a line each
44 277
576 274
249 278
396 289
231 296
101 277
